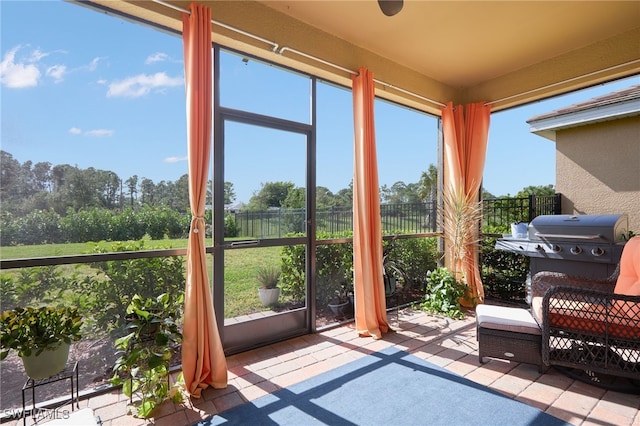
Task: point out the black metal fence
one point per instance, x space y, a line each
499 213
410 218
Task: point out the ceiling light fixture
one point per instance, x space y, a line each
390 7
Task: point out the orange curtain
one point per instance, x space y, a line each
466 131
370 309
203 361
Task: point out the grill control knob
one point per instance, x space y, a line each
576 250
597 251
556 248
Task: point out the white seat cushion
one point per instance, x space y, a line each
506 318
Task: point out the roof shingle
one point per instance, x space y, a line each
629 93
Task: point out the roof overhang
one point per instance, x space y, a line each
504 53
607 108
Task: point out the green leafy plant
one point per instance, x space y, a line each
33 330
120 280
503 273
230 226
336 289
334 269
416 257
293 272
393 266
443 293
268 276
334 273
146 351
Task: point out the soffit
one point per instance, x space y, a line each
461 51
464 43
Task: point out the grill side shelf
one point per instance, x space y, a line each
514 246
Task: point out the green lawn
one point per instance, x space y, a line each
241 286
48 250
241 266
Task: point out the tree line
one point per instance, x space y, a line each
42 186
28 186
287 195
45 203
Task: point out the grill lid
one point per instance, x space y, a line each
606 228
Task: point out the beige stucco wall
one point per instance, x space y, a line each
598 169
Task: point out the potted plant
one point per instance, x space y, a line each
145 352
461 216
338 290
443 293
268 290
41 336
340 303
392 268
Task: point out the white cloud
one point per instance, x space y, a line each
157 57
94 133
175 159
142 84
90 67
99 133
37 55
57 72
18 75
93 65
27 71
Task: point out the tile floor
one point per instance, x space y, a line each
448 343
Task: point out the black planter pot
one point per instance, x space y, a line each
340 309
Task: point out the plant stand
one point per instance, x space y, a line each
70 372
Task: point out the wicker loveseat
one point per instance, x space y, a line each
589 324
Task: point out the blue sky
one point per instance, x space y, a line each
92 90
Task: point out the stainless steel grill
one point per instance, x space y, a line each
584 245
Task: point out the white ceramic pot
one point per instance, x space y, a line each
46 364
269 296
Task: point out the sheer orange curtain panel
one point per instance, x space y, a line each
466 130
203 360
369 295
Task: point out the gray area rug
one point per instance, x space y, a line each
389 387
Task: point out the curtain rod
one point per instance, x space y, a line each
284 48
382 83
562 82
222 24
306 55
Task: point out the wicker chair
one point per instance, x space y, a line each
589 324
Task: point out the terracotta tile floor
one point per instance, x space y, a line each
448 343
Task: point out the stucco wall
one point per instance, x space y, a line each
598 169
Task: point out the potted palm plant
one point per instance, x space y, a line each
268 290
461 215
41 336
